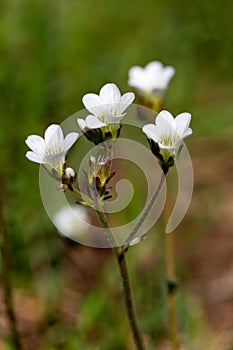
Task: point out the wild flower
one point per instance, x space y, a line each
52 149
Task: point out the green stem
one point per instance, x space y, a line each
128 294
80 195
102 217
147 210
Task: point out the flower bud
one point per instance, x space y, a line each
70 174
98 175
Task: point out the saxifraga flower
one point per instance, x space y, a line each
51 150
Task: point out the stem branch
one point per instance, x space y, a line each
147 210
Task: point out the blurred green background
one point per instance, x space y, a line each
52 53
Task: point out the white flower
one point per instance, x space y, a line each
168 132
152 79
71 221
106 108
51 150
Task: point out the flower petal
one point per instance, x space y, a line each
168 73
135 70
125 101
34 157
93 122
54 138
182 122
70 139
165 123
82 124
187 132
55 160
93 104
158 75
110 94
110 118
154 67
36 143
136 77
171 147
151 132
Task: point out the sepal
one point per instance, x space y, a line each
166 160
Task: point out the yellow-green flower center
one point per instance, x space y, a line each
169 140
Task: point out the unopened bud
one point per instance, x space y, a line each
82 124
70 173
92 159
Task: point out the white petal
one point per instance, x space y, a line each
153 72
70 139
114 119
177 143
110 94
136 77
167 147
56 161
36 143
54 138
151 132
135 70
159 75
154 67
93 104
187 132
182 122
167 75
143 79
34 157
93 122
165 123
82 124
125 101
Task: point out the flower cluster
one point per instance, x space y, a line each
107 108
104 123
102 126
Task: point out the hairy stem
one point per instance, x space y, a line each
80 195
128 294
146 212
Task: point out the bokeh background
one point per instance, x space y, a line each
53 52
